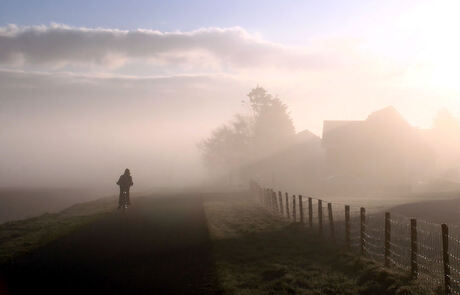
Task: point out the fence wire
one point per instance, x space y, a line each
414 246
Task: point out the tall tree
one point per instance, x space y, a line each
246 138
272 123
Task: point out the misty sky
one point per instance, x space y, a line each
88 88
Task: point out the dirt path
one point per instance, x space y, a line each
158 246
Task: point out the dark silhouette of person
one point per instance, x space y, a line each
125 182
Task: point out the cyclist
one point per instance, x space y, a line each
125 182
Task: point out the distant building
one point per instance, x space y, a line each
297 167
383 153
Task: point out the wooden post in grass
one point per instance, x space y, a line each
445 258
269 200
262 196
331 221
320 217
347 228
275 202
265 198
270 195
363 230
259 194
310 212
287 206
294 217
413 248
387 238
280 198
301 208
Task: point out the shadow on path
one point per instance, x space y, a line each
158 246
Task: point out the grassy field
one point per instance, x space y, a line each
19 237
21 203
257 253
433 210
382 201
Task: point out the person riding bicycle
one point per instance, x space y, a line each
125 182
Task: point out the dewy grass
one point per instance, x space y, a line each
258 253
20 237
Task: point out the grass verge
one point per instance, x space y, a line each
258 253
22 236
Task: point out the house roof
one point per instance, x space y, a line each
386 124
333 125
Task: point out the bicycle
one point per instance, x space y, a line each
124 200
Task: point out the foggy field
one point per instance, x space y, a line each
436 207
20 203
382 201
258 253
433 210
23 236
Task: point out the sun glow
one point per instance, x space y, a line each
433 28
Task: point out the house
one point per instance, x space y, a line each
382 153
297 167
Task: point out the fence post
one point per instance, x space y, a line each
294 217
413 251
280 198
267 204
331 220
301 208
320 217
363 229
445 258
275 202
347 227
310 212
261 196
270 199
387 239
259 191
287 206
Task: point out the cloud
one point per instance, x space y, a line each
229 48
48 94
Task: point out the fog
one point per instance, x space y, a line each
84 132
78 105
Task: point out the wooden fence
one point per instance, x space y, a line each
427 251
